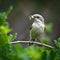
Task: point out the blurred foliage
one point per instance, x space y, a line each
48 30
49 27
10 51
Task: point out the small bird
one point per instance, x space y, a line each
37 28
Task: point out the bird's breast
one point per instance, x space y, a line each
38 26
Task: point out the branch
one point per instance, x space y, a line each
38 43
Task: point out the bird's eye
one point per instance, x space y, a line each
37 16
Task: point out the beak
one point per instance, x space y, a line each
31 17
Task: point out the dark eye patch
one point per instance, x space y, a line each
36 17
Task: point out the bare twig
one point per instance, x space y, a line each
38 43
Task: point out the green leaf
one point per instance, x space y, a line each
51 55
12 37
9 10
5 30
49 27
57 42
44 55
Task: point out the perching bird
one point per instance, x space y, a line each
37 28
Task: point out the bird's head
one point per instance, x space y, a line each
37 17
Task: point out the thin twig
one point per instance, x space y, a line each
38 43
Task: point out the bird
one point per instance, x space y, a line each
37 27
